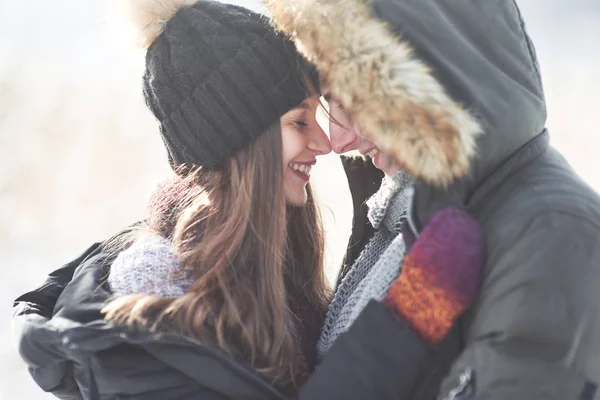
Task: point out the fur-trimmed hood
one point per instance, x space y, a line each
426 77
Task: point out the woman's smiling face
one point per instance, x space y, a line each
303 140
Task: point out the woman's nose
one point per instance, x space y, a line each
319 142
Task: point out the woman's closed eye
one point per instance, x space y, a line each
301 123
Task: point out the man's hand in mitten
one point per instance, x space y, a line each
441 274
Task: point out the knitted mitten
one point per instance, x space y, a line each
150 266
165 202
441 274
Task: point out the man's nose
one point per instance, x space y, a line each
342 139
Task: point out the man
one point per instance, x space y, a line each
451 93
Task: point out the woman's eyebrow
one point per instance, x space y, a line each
303 106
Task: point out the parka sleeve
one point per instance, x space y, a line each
379 357
36 341
534 332
41 300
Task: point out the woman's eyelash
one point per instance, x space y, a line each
301 123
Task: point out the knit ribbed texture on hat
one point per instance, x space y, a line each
216 78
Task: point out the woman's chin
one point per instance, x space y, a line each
297 197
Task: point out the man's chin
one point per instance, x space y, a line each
385 164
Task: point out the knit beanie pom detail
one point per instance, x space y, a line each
149 17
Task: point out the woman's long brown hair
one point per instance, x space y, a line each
258 264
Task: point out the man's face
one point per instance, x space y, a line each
345 136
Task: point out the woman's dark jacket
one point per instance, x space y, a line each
72 352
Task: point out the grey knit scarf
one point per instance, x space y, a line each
379 263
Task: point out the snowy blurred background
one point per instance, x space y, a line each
79 152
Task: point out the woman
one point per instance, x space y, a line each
221 295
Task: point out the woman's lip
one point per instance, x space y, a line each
305 162
304 177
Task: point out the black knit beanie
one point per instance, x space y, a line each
217 76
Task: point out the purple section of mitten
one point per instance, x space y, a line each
452 248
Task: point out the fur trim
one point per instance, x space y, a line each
150 17
390 95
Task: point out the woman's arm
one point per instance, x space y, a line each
38 345
41 300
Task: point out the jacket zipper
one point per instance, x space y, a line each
464 387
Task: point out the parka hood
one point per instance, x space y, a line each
450 89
